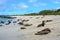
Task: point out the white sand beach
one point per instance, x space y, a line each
13 31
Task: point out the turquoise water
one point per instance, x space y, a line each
5 19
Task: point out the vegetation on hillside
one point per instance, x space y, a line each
46 12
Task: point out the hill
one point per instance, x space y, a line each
46 12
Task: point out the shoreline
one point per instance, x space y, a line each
13 31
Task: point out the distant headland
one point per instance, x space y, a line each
6 16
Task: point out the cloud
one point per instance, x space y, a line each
22 5
56 1
2 8
40 4
14 6
2 5
36 3
58 8
3 2
32 1
19 5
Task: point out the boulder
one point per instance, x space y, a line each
43 32
23 28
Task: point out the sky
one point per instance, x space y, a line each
13 7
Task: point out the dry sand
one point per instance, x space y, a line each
13 31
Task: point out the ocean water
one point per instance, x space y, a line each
5 19
11 31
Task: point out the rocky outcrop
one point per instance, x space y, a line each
43 32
